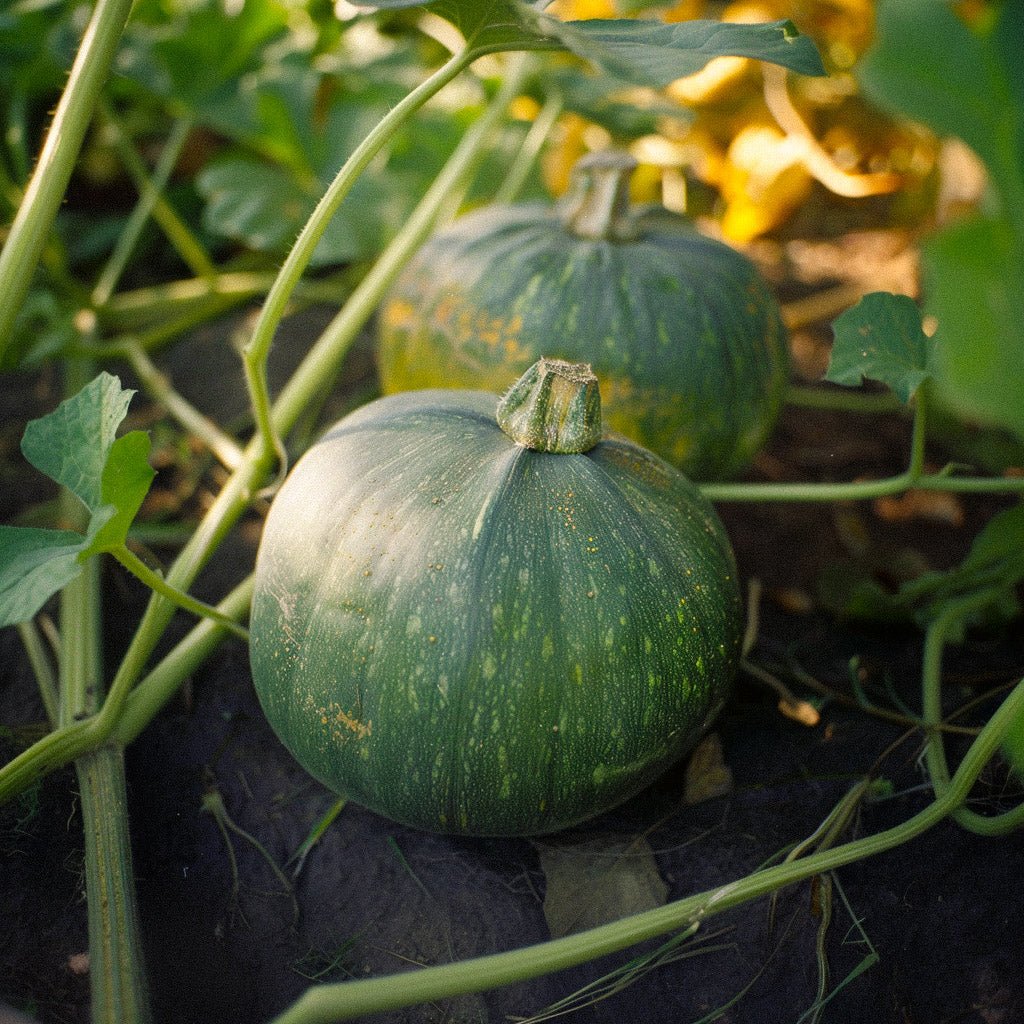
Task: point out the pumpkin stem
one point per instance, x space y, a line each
597 203
554 407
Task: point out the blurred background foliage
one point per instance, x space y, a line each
270 96
762 151
280 91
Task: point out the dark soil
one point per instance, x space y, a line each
928 933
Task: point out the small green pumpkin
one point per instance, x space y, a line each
491 630
684 334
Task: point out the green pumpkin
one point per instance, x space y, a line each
491 630
684 334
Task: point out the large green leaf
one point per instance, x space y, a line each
200 55
300 124
72 443
974 285
881 339
929 65
643 52
967 81
29 63
492 23
76 446
251 201
306 126
652 53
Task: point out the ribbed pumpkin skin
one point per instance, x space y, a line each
472 637
683 333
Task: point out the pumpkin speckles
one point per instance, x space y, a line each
515 682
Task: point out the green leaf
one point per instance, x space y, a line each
200 55
75 445
127 476
643 52
307 124
252 202
654 54
72 443
849 590
993 570
34 565
1006 37
509 24
967 81
598 100
973 276
881 339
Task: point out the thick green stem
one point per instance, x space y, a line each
349 1000
45 192
54 750
116 966
116 969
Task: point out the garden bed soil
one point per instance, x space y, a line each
928 933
